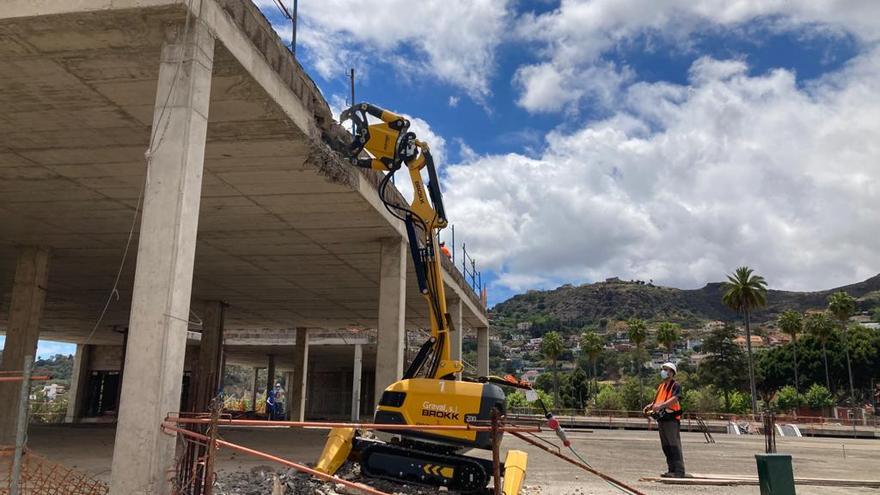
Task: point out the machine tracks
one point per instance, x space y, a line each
405 464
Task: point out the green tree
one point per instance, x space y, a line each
724 363
518 400
792 324
551 347
820 327
787 399
591 346
818 397
668 335
744 292
634 395
579 386
843 306
608 399
704 400
875 314
637 330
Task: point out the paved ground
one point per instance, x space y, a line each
628 455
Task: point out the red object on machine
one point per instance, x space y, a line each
554 425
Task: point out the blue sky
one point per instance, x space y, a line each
668 141
47 348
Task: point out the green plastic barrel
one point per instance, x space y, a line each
775 475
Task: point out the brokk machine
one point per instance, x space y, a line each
431 391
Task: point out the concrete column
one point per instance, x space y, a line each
454 308
483 351
299 386
357 369
270 372
254 389
160 305
207 375
392 313
288 382
121 367
78 382
23 330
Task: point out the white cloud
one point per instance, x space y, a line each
453 40
453 101
685 182
575 37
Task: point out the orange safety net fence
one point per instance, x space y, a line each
40 476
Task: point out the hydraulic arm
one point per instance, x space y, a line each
432 391
392 146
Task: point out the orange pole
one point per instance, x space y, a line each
272 458
18 378
361 426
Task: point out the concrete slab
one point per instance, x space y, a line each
288 234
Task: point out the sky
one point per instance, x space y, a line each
669 141
47 348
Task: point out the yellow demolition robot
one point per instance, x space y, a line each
432 391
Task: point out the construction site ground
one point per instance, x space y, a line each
627 455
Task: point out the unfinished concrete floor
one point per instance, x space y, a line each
628 455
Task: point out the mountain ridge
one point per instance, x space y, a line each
588 304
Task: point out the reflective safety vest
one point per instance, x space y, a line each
664 393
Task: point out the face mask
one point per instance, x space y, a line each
664 374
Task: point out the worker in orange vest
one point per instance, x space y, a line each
445 250
666 410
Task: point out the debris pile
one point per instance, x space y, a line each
264 480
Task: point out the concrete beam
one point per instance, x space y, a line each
236 41
483 351
300 375
30 8
210 370
78 383
455 336
392 313
23 330
160 304
453 287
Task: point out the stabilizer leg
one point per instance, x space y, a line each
514 471
336 450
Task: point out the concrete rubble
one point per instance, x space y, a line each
265 480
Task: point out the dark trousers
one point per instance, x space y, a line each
670 440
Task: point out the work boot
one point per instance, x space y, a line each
668 474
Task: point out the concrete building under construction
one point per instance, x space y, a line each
168 202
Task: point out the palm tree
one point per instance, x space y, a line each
591 345
551 347
820 327
638 333
843 306
792 323
745 292
667 336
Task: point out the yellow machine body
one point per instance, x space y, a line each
425 401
